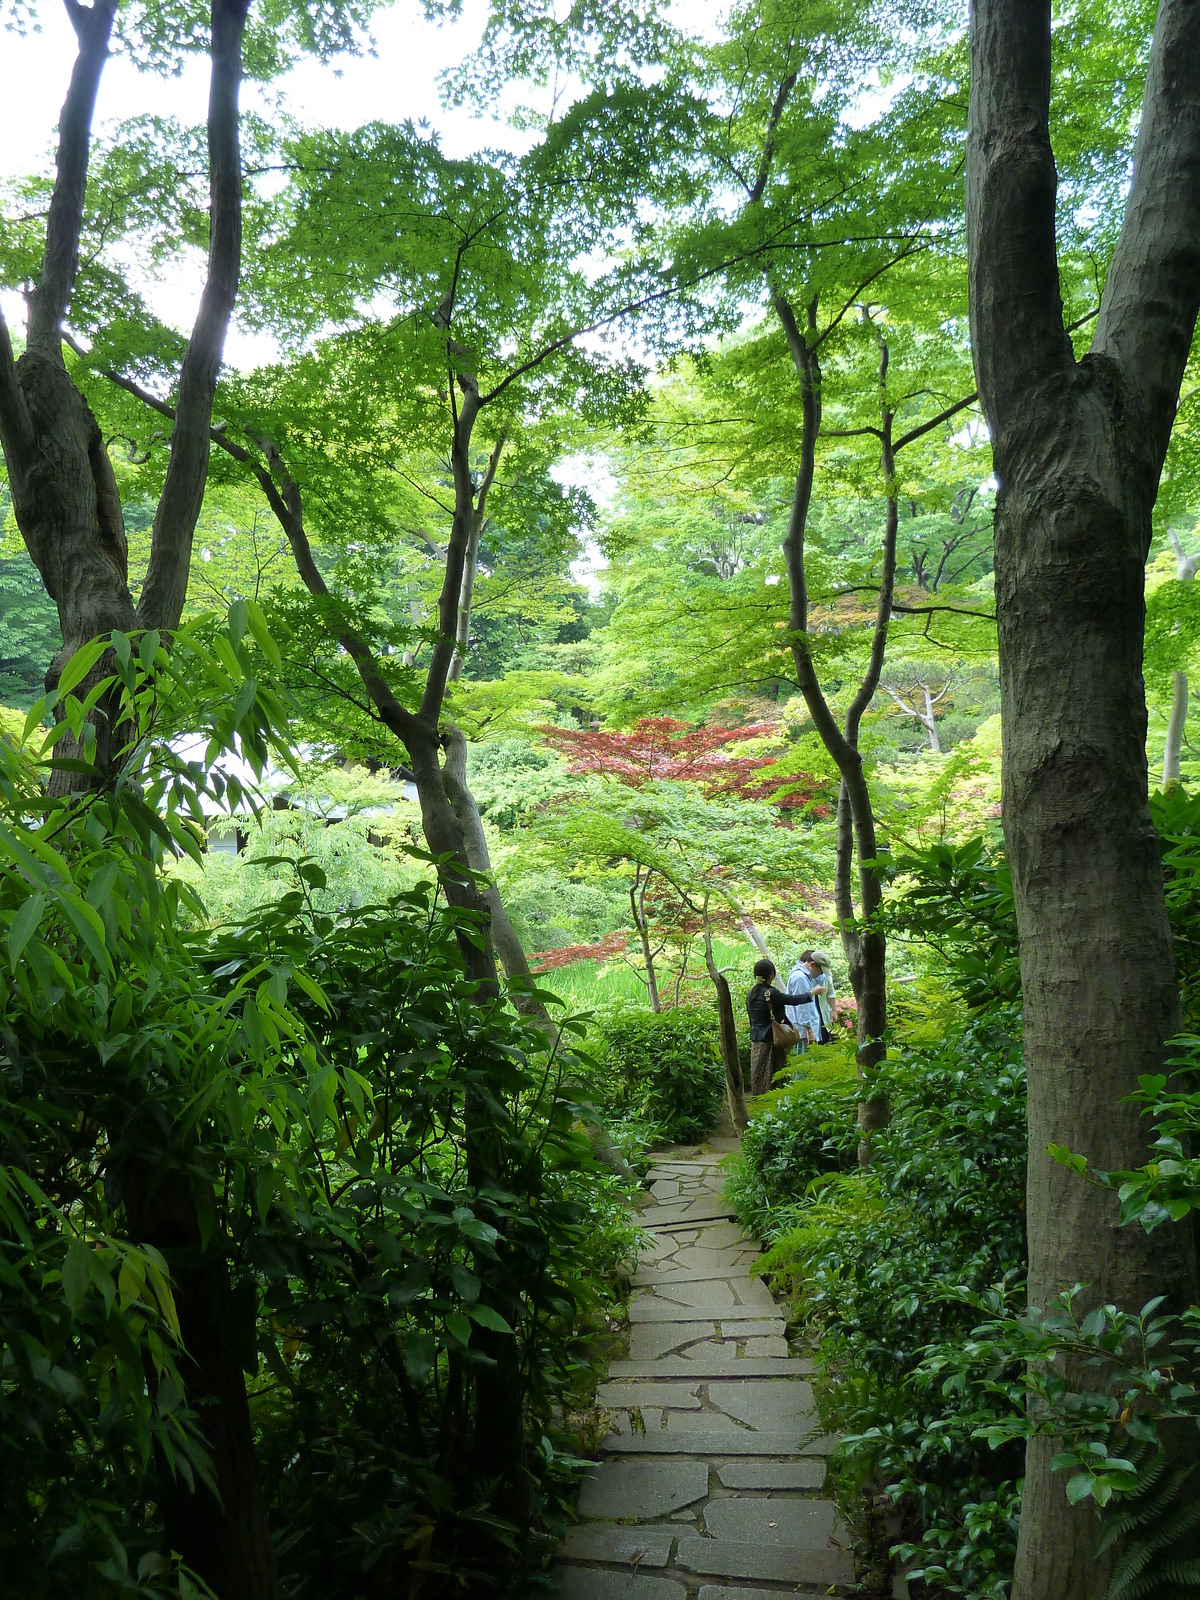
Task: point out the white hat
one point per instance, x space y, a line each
822 960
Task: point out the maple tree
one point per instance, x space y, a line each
662 749
612 944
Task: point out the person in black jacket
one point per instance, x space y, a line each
764 1005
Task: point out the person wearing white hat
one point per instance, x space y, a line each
802 1004
820 968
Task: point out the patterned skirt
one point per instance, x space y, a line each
765 1062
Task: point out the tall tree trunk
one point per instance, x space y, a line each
507 944
930 721
68 509
504 936
1185 571
1079 447
862 938
499 1445
225 1537
65 495
735 1089
466 588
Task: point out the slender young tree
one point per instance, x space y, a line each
1079 444
68 509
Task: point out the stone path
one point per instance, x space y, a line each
710 1480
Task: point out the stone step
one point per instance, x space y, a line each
632 1547
711 1261
641 1491
667 1216
719 1591
649 1309
783 1522
591 1583
705 1367
722 1442
772 1474
725 1558
664 1277
650 1341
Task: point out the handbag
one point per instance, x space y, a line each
783 1035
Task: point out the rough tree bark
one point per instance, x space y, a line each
68 509
466 593
735 1089
1079 447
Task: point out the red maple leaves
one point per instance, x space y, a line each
656 749
613 944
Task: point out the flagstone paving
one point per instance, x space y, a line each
710 1481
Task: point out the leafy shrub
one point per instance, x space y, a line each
887 1267
300 1148
511 778
807 1129
664 1069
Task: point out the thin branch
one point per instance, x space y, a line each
16 425
60 259
923 428
768 153
958 611
165 588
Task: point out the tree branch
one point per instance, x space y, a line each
768 153
16 425
457 547
165 588
466 593
958 611
887 580
60 259
283 496
1017 329
1152 293
923 428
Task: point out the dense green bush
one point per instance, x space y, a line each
804 1131
289 1187
887 1269
662 1069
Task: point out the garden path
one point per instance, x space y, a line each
709 1483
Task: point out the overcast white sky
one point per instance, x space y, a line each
397 82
